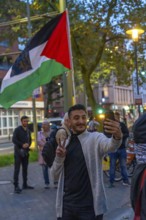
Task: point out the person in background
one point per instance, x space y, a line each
93 125
78 165
22 141
138 182
120 154
43 136
64 131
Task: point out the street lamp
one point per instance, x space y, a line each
135 33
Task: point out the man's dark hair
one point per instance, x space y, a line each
76 107
24 117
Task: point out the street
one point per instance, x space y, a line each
40 203
6 147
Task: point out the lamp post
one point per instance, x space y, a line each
135 33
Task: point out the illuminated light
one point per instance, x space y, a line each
143 73
126 107
101 116
135 32
100 111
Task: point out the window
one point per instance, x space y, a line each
4 112
15 122
5 132
4 120
10 122
105 92
10 112
16 112
10 131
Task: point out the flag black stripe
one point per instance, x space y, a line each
22 63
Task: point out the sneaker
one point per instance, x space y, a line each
17 190
126 184
27 187
111 185
47 186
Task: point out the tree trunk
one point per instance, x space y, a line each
89 92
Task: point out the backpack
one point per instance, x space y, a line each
139 129
49 150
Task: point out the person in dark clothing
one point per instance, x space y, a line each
22 141
138 181
120 154
138 192
78 166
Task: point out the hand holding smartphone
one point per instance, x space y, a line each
108 115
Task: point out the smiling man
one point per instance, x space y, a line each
78 165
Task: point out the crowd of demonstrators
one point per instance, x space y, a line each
138 182
47 143
77 163
78 166
42 137
120 154
93 124
22 141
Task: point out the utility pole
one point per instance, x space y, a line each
67 77
33 98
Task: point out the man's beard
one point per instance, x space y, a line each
80 132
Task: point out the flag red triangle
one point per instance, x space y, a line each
57 46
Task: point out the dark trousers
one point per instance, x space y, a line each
18 160
70 213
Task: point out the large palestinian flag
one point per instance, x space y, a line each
46 55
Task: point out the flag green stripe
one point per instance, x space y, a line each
41 76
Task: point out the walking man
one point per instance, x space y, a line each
22 141
78 165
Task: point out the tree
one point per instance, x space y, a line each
96 29
98 36
54 87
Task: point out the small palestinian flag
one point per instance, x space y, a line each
47 55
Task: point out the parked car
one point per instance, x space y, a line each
57 121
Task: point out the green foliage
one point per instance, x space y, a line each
99 42
97 29
33 156
7 160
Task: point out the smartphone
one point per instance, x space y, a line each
108 115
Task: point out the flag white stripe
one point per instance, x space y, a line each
36 62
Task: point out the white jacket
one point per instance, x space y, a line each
94 146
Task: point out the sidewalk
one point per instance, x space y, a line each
39 204
5 140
